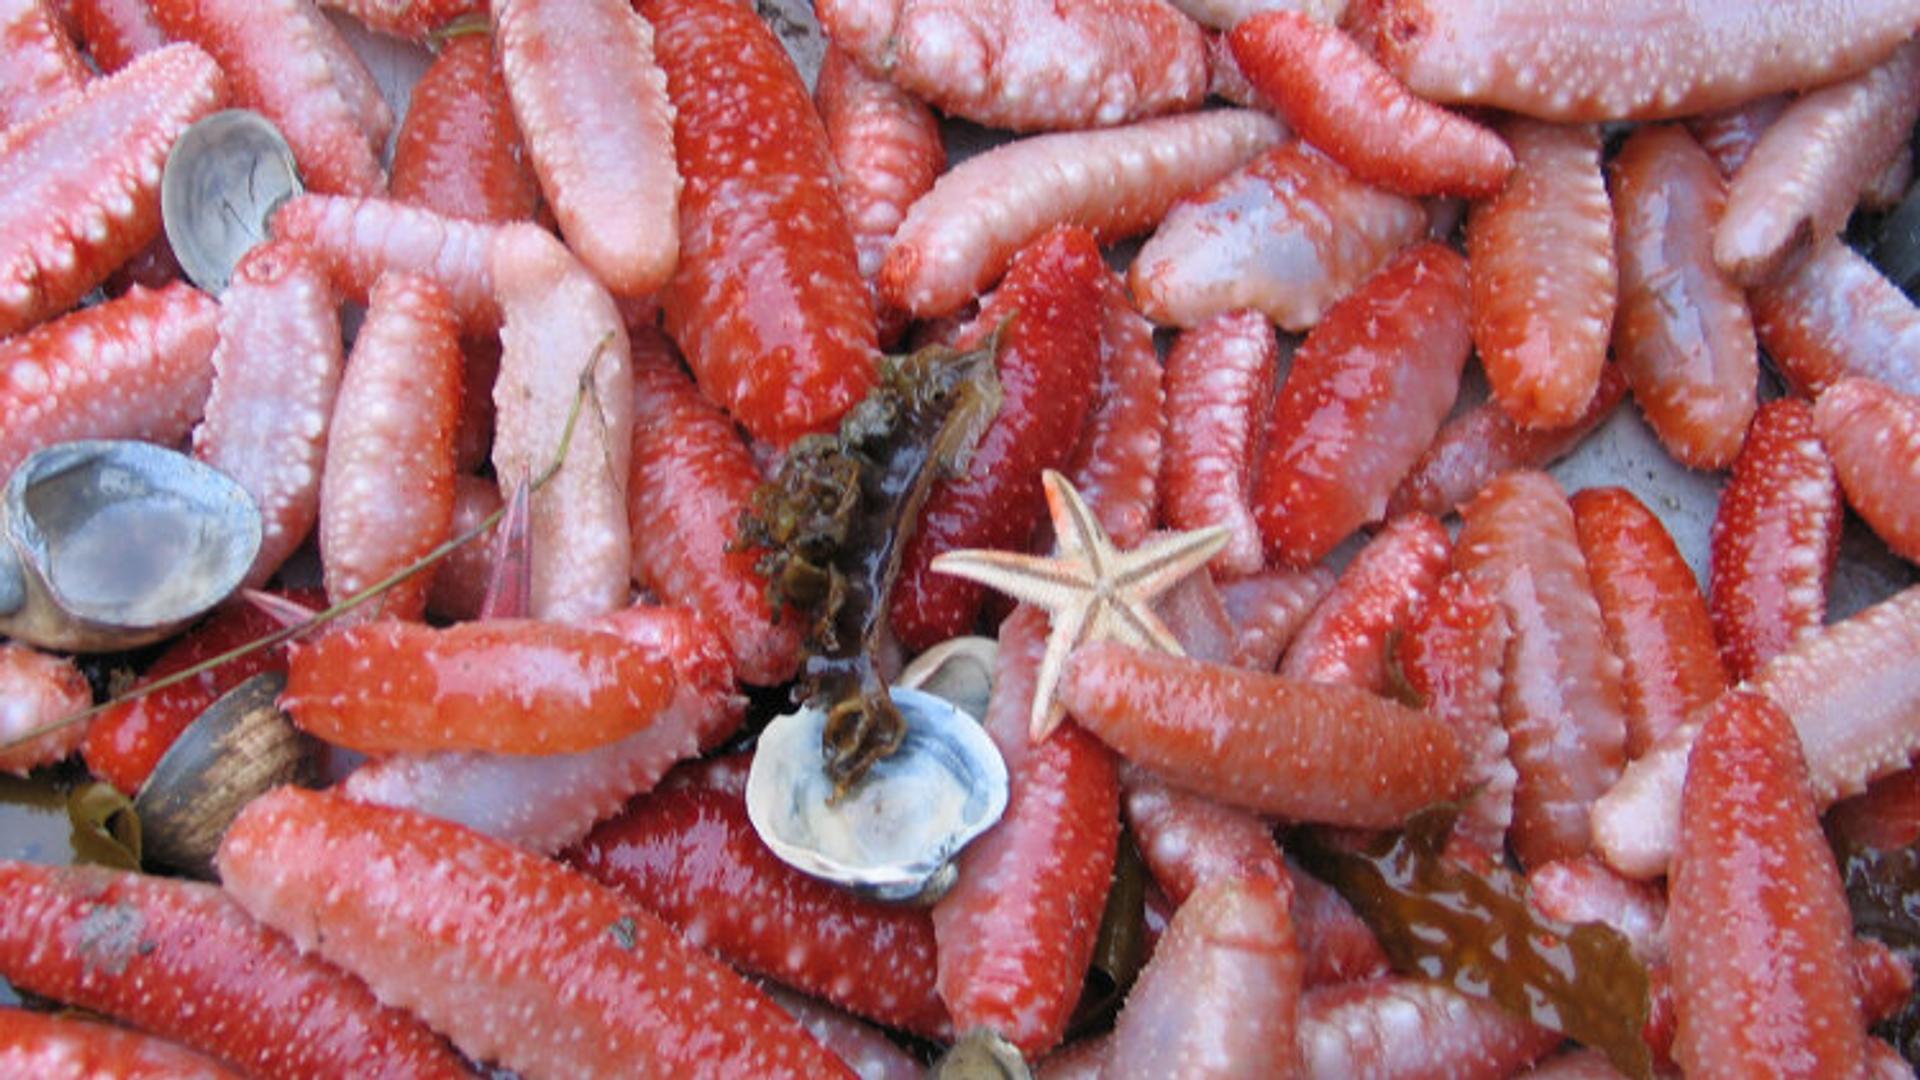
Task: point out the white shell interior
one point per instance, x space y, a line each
223 181
894 832
959 669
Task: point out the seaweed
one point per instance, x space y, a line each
1477 933
106 829
833 525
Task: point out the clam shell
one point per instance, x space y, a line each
241 747
225 177
894 835
116 543
982 1054
959 669
13 581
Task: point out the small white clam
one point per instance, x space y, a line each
109 544
894 834
224 179
958 669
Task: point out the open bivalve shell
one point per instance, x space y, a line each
224 179
958 669
893 835
240 748
110 544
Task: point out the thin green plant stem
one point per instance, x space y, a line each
359 599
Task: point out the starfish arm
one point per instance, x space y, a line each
1158 564
1075 528
1047 583
1066 629
1135 624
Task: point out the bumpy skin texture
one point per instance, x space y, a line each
1347 638
1190 842
1306 751
1883 192
519 960
1483 443
1220 378
1401 1027
561 334
1588 890
1729 135
1544 278
1452 656
1627 59
1883 980
861 1046
1873 434
56 1048
1807 170
1029 64
1268 609
272 53
1047 363
1561 702
503 686
1339 99
181 960
41 67
1226 14
1758 918
1017 932
80 183
460 580
459 152
768 303
139 367
691 857
1220 996
276 372
593 107
1338 945
544 803
125 742
1193 610
1116 466
1834 316
1683 336
351 78
414 19
357 240
1776 536
958 238
116 31
886 145
1287 234
1655 613
692 478
1850 689
386 496
1367 392
37 689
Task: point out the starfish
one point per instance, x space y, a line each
1091 590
